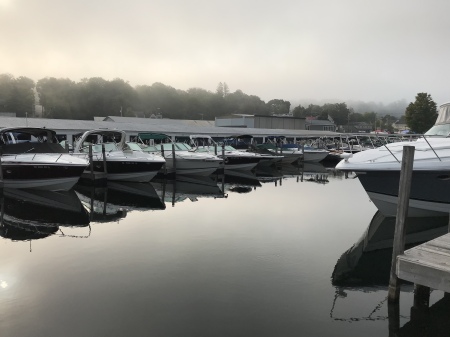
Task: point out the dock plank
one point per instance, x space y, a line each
427 264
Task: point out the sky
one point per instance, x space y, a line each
373 51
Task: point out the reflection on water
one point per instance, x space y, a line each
245 253
33 214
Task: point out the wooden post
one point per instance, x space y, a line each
420 310
91 161
404 190
174 162
394 318
104 159
303 151
215 149
1 168
223 158
66 145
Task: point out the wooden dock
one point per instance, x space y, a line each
427 264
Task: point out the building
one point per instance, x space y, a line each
285 122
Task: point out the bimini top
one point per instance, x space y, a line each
155 136
443 114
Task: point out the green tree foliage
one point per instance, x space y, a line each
279 106
421 115
17 95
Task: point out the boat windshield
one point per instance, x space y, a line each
442 130
183 146
108 147
134 146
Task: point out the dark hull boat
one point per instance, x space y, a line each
379 171
122 164
32 158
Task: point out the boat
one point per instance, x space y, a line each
32 158
234 159
245 143
122 163
180 157
273 146
378 171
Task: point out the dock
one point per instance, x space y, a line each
427 264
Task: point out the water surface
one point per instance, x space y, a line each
239 256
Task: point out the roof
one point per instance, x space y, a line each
136 125
158 121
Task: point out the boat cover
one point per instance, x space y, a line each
444 114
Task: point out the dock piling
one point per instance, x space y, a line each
402 213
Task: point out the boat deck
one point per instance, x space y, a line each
427 264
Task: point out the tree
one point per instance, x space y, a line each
421 115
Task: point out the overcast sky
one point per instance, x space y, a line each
381 51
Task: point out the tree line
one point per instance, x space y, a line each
66 99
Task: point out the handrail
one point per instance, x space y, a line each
425 138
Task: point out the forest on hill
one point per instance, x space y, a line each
67 99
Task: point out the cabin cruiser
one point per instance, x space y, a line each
122 164
32 158
245 143
234 159
272 146
379 171
180 157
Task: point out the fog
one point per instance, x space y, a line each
349 50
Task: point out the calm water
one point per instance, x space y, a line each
183 258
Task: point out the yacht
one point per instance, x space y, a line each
32 158
379 171
234 159
180 157
122 163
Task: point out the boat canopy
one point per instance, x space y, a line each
149 136
444 114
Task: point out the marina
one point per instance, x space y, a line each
254 253
223 240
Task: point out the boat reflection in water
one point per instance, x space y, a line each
112 202
187 188
237 181
309 172
35 214
365 267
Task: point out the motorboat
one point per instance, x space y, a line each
122 163
180 157
273 145
245 143
378 171
32 158
234 159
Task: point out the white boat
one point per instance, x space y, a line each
313 155
32 158
122 163
234 159
186 161
379 171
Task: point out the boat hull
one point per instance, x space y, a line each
128 170
428 197
43 176
192 166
